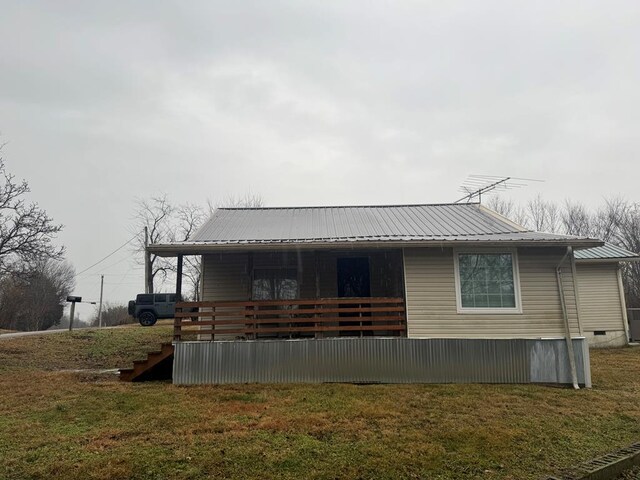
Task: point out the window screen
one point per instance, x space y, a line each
275 284
486 280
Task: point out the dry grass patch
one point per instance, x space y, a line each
83 349
77 426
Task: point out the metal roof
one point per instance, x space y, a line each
296 225
606 252
393 225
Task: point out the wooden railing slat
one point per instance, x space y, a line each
294 311
302 301
334 328
310 316
235 321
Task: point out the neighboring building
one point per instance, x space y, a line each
414 293
603 310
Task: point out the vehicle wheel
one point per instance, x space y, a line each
147 319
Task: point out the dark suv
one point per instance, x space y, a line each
149 307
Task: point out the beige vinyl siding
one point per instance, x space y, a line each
225 277
600 303
431 298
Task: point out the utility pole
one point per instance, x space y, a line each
148 286
100 307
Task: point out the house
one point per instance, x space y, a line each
603 311
409 293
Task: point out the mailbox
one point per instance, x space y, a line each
74 299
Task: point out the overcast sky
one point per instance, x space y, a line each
309 103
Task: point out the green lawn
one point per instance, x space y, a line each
57 423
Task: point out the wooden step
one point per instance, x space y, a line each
147 366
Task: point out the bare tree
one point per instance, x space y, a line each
628 236
543 216
26 231
189 218
616 222
501 205
33 300
509 209
610 218
168 223
576 220
248 200
113 314
155 215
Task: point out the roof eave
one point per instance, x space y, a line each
607 260
203 248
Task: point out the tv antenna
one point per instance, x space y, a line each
477 185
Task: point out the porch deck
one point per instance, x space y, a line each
299 318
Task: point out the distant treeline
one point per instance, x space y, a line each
616 221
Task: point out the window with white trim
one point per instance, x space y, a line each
487 282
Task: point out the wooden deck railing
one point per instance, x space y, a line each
290 318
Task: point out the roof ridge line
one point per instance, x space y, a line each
350 206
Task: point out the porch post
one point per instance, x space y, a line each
317 272
179 279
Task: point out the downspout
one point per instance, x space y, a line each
623 303
575 291
406 299
567 327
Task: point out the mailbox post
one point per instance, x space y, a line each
73 301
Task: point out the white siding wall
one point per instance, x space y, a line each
600 303
431 298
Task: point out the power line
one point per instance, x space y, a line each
112 253
119 284
113 274
128 257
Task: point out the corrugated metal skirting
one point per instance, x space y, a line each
379 360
